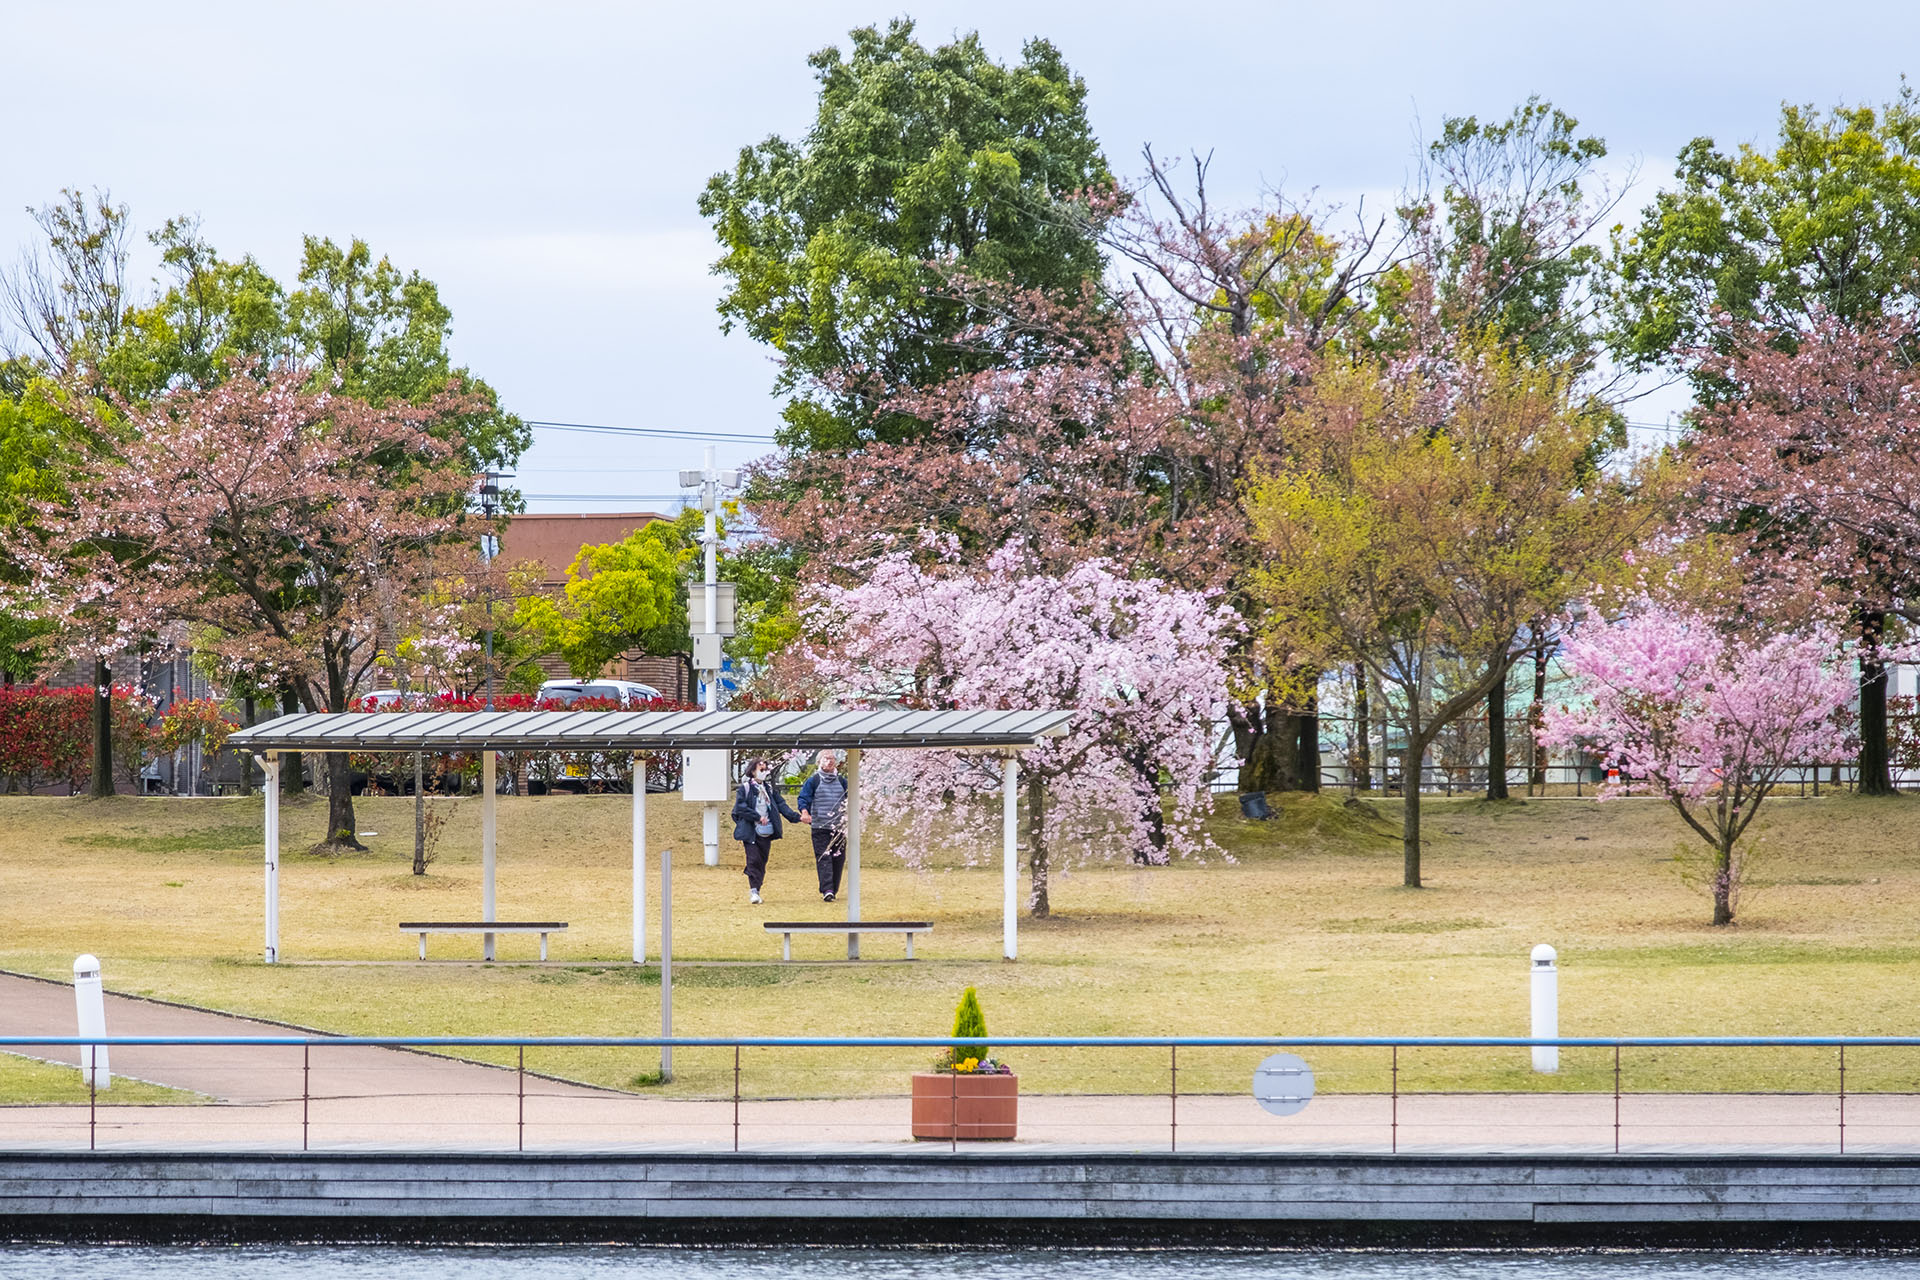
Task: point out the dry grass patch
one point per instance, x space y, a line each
1304 931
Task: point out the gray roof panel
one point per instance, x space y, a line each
876 729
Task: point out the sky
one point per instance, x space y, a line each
541 163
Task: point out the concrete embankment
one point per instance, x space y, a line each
969 1197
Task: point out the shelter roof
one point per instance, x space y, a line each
648 730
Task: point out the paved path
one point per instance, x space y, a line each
355 1097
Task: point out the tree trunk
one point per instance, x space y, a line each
1362 768
1037 844
1536 720
1876 779
1723 886
1497 740
419 815
1307 756
101 784
1410 810
1268 742
340 820
293 778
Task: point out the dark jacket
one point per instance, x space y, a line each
744 815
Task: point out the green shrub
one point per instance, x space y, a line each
969 1021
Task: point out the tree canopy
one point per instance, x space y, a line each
916 157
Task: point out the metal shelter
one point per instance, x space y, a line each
642 733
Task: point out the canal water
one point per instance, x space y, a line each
381 1262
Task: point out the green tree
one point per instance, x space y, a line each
386 332
1510 208
1825 223
1425 518
211 313
619 596
66 301
915 156
80 328
34 435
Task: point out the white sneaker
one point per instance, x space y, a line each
753 896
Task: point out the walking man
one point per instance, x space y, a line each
823 803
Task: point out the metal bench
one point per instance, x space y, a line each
486 927
852 928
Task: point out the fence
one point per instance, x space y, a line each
1377 1094
1557 779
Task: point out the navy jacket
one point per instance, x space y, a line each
744 815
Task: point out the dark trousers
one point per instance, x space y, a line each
758 847
830 858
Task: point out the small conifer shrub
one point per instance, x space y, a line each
968 1020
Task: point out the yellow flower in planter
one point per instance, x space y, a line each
967 1065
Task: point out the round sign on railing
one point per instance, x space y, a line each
1283 1084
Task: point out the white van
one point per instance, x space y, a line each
568 692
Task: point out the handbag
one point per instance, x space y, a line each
763 828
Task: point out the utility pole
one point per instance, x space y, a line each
706 641
489 548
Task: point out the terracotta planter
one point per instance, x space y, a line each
978 1106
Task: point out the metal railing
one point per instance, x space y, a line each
378 1092
1556 779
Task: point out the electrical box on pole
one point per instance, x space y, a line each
697 608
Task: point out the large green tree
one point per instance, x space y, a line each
1827 220
1824 222
916 157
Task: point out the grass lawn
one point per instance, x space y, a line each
28 1080
1306 931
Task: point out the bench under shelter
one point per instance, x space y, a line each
644 733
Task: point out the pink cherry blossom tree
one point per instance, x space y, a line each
1704 718
279 521
1138 662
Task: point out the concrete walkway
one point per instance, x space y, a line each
359 1098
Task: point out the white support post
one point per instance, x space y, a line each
666 962
1544 978
1009 856
853 849
488 763
271 767
90 1007
639 858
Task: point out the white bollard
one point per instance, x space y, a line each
90 1004
1546 1007
710 835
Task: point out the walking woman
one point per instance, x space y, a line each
758 807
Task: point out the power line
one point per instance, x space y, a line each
594 428
605 497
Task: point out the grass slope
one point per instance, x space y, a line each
26 1080
1303 931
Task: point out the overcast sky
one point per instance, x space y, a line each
541 162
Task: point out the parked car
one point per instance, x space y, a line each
580 772
567 692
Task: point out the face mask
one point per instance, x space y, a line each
760 774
